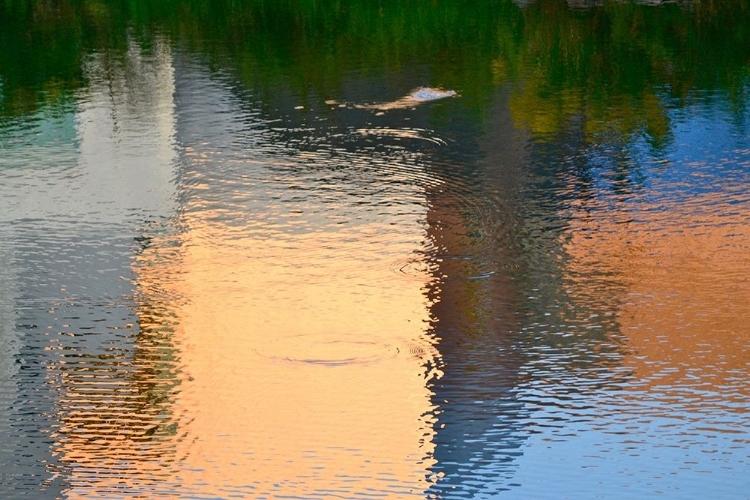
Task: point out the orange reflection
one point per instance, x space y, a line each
683 275
302 376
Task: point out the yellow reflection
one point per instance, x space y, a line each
303 366
620 117
684 279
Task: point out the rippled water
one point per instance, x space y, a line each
212 290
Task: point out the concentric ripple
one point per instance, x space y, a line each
336 349
332 349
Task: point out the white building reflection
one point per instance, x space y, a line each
120 187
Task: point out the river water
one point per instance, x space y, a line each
238 260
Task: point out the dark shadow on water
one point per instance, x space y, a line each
476 303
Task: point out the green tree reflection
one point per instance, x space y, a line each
612 65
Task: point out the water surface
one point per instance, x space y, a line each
238 260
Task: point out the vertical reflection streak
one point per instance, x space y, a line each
475 310
115 376
302 354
